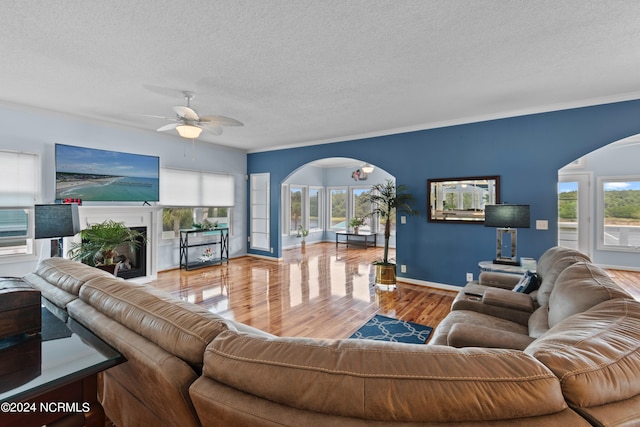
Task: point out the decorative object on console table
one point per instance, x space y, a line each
212 246
356 223
302 234
56 221
387 199
507 218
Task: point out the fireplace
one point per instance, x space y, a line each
141 265
132 263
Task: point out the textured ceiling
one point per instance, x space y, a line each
301 72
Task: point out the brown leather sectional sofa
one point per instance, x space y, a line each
188 367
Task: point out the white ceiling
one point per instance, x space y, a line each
308 71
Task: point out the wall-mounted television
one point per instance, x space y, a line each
96 175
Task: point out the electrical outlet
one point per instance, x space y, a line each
469 277
271 250
403 268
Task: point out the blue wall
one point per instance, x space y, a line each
526 152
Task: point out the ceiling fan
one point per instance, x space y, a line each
189 124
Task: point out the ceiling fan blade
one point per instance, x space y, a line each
153 116
186 112
212 129
220 121
168 127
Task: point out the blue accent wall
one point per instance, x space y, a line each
526 152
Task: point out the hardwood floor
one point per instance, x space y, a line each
323 292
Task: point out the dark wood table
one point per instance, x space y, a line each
363 238
52 376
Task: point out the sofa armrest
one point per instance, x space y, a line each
508 299
499 280
464 335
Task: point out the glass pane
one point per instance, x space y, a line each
296 208
362 208
314 208
14 230
568 214
338 199
622 213
175 219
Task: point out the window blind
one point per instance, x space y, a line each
18 179
195 188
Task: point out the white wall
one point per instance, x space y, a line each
33 131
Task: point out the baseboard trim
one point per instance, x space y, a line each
270 258
429 284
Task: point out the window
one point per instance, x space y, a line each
315 208
361 208
194 188
619 210
14 232
296 208
338 208
176 219
18 188
260 214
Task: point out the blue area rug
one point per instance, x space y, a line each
384 328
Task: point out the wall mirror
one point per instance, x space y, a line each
461 199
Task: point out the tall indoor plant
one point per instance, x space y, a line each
388 200
100 241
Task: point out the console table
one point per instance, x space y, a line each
363 238
216 238
52 376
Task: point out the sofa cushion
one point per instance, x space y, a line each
59 279
595 354
578 288
463 335
551 255
181 328
549 277
503 298
539 322
384 381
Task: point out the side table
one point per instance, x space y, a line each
501 268
53 376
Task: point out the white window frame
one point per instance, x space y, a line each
320 191
330 208
20 174
352 208
602 245
304 221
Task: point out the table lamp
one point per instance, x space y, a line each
507 218
56 221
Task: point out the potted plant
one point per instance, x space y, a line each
302 233
98 243
356 222
388 200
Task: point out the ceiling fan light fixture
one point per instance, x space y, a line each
189 131
367 168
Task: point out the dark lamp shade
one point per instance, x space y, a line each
507 216
53 221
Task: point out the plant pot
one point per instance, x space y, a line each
356 230
385 274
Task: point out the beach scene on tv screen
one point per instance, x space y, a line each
100 175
